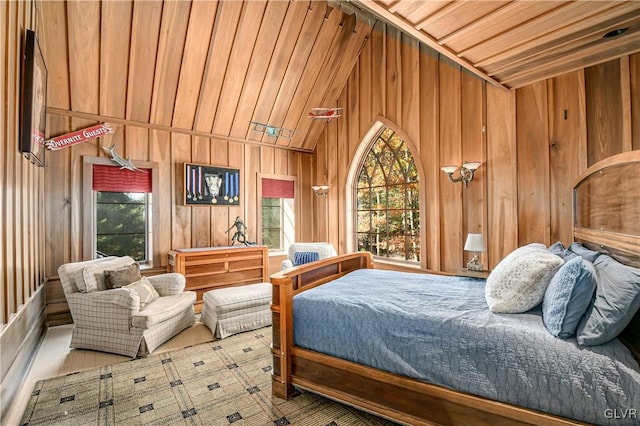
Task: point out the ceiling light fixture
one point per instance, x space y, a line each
615 33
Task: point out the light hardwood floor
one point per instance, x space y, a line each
54 358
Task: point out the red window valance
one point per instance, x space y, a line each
116 179
277 188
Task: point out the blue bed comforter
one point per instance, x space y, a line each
439 329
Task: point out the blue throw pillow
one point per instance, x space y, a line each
616 302
568 296
302 257
584 252
557 248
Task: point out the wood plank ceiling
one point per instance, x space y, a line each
516 43
211 68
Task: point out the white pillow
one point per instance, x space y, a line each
519 281
145 291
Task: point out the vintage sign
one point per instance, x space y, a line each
78 136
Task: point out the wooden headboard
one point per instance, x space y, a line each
606 212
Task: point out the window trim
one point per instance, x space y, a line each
259 177
88 219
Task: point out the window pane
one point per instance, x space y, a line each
120 219
396 196
363 242
364 221
413 248
395 222
121 224
271 238
122 245
271 202
271 217
379 198
277 222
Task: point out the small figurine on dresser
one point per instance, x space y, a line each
239 235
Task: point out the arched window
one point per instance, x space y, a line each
388 200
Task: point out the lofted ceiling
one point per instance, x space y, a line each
212 68
209 68
516 43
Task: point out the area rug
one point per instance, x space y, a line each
215 383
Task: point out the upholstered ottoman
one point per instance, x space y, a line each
231 310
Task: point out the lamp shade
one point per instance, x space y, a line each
475 242
471 165
449 169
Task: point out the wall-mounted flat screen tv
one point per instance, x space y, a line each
34 101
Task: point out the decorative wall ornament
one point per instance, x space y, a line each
327 114
124 164
211 185
79 136
273 131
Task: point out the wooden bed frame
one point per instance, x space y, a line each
407 400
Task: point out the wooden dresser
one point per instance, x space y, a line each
216 267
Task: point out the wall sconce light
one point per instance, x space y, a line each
475 243
321 190
466 172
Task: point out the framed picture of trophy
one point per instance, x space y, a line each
206 185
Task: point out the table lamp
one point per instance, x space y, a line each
475 243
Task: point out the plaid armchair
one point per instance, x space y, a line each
111 320
300 253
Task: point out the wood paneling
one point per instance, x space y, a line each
502 188
604 111
22 226
634 87
517 43
533 164
450 139
567 146
474 208
530 148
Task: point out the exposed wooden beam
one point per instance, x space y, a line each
164 128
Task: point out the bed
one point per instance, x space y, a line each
605 220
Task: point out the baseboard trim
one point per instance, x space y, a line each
20 340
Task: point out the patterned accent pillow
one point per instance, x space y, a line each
519 281
91 277
616 302
568 296
302 257
122 276
145 291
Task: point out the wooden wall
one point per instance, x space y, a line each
21 212
532 142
